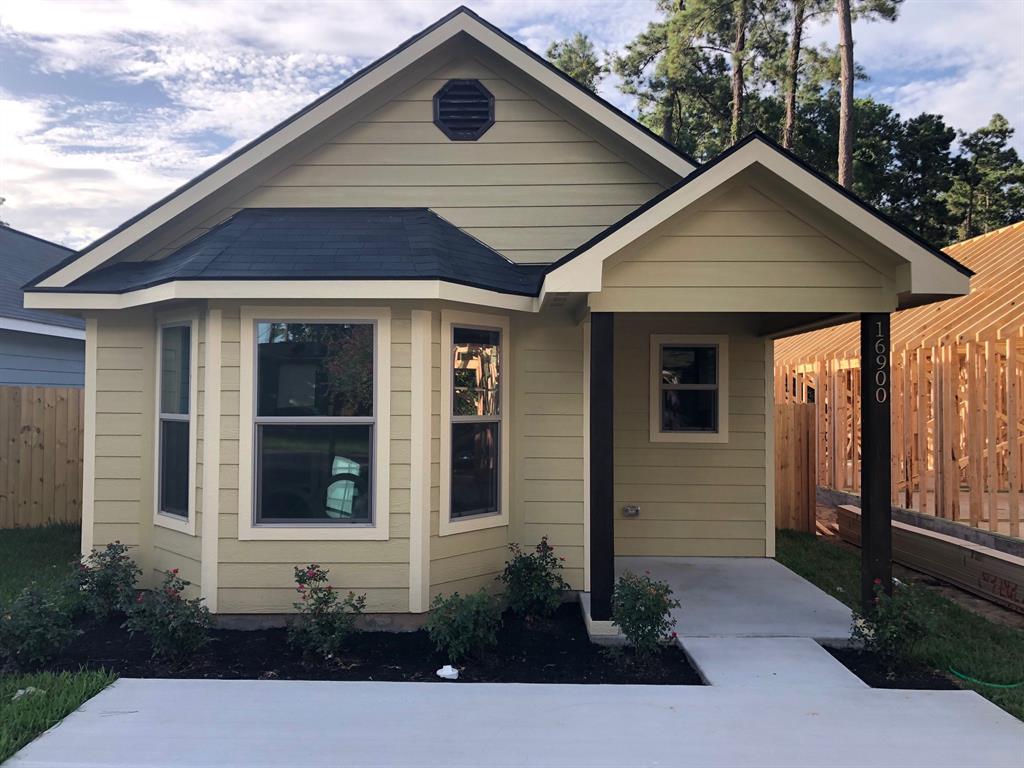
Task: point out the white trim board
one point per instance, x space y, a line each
42 329
283 289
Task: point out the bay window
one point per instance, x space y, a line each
315 423
475 443
175 427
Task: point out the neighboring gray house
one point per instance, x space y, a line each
37 347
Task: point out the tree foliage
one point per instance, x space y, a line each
705 72
578 59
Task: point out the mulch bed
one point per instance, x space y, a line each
869 668
554 650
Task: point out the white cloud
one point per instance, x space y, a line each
215 75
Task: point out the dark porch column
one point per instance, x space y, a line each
876 452
602 465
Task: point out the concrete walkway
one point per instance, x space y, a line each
744 597
767 662
279 724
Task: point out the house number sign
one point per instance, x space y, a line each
881 365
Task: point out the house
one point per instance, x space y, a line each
456 302
38 347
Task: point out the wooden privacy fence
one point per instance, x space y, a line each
957 427
40 456
794 466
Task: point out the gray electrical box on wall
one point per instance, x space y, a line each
631 510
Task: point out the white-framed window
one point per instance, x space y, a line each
315 438
474 422
689 399
177 351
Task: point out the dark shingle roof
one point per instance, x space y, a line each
22 257
326 244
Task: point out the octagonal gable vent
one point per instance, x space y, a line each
463 109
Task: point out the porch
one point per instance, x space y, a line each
736 597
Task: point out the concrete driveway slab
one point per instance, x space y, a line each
279 724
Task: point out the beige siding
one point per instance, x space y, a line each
123 506
547 481
534 187
256 576
739 250
694 498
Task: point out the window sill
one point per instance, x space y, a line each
312 532
689 437
185 525
449 527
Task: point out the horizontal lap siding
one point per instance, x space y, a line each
696 498
533 187
256 576
548 473
31 359
123 508
740 251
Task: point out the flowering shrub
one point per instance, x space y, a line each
895 626
641 608
325 620
33 628
533 580
176 627
106 580
462 626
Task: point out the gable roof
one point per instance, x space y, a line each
992 310
326 244
21 257
566 274
462 20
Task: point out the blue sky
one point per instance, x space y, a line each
107 106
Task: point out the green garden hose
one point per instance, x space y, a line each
969 679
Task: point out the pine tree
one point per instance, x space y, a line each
988 192
578 59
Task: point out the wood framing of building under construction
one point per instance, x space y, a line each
957 399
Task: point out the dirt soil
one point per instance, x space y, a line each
869 668
554 650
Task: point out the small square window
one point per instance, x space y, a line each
687 388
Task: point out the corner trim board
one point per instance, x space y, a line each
211 459
419 480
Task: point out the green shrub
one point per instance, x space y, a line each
106 580
896 625
35 627
533 580
325 621
642 609
176 627
462 626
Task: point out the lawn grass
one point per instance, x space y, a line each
57 695
960 639
43 555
